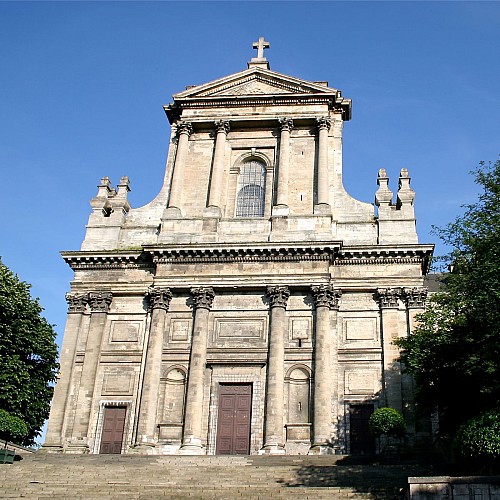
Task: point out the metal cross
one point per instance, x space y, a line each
260 46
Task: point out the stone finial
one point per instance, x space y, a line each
100 202
406 195
159 298
119 200
415 297
383 196
203 297
77 303
278 295
388 297
326 296
100 301
260 60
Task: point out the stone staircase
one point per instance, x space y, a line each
204 477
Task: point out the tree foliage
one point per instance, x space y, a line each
454 352
12 428
387 421
28 355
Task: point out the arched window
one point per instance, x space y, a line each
251 189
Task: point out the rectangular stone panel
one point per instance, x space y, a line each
300 328
361 381
124 331
179 330
118 383
360 329
238 329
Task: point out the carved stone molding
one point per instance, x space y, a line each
77 303
203 297
184 128
222 126
388 297
286 124
415 297
278 295
100 301
159 298
326 296
323 123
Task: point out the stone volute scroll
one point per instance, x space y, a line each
285 125
326 299
184 130
77 303
159 302
274 424
214 198
100 302
323 124
192 439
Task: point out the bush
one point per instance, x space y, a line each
12 428
387 421
478 439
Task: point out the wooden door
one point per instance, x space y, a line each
361 440
233 424
112 429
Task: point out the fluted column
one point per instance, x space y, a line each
214 197
326 299
184 130
58 411
192 442
99 303
390 326
286 125
159 302
323 181
273 432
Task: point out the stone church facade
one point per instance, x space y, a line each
251 306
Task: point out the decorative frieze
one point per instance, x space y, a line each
100 301
326 296
278 295
77 303
388 297
203 297
159 298
415 297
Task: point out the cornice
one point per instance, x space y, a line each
102 260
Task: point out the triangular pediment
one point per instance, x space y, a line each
254 81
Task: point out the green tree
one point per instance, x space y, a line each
454 352
28 355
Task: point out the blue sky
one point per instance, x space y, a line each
82 87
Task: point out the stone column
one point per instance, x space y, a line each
323 181
159 302
325 365
76 307
389 311
192 442
99 303
184 130
273 431
286 125
214 197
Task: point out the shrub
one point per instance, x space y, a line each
479 439
387 421
12 428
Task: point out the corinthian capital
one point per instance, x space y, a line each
278 295
415 297
323 123
159 298
77 303
326 296
203 297
388 297
222 126
184 128
100 301
286 124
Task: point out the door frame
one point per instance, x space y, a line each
100 424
